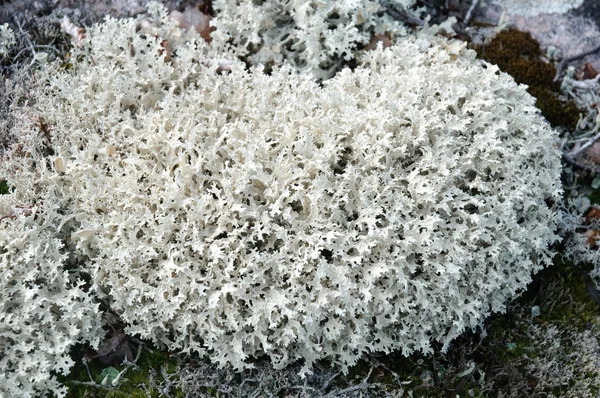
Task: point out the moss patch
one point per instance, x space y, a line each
3 188
144 380
520 55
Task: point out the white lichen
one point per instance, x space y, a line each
316 37
237 214
7 40
44 308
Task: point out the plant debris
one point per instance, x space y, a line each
113 350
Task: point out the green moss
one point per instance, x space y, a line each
594 197
147 373
561 294
4 189
556 111
520 55
509 45
416 373
533 72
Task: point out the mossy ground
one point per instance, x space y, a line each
498 360
146 379
3 187
492 364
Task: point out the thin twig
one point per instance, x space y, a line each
24 35
394 374
591 287
143 385
90 384
584 137
570 161
167 379
470 12
565 61
304 389
247 379
361 386
27 39
588 84
573 154
328 381
400 15
463 382
85 362
134 364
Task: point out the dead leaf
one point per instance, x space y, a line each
223 65
593 153
113 350
588 72
111 344
59 165
111 150
83 235
206 7
379 38
194 18
592 237
77 34
592 215
166 50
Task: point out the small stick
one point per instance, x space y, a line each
85 362
470 12
148 394
400 15
167 379
361 386
27 39
25 35
565 61
396 377
585 146
591 287
578 165
90 384
328 381
573 162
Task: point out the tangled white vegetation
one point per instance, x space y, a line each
44 308
241 214
316 37
7 39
